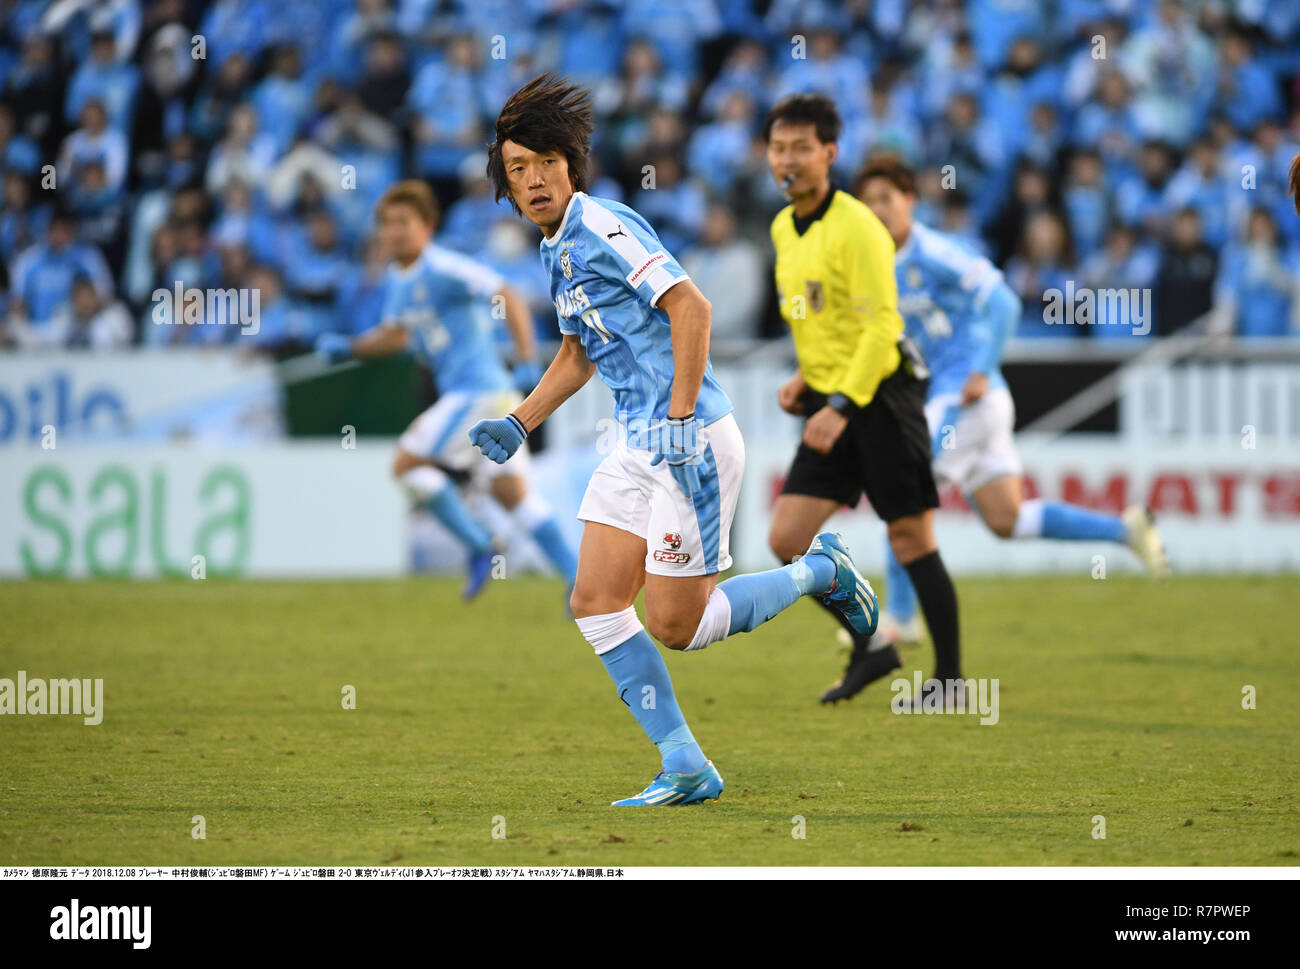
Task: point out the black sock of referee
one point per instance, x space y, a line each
938 599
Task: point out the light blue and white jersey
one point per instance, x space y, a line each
943 294
443 300
608 270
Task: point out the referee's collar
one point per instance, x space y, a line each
803 224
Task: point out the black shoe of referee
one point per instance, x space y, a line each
865 666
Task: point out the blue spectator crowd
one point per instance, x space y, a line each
243 144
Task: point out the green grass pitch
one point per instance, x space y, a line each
1118 698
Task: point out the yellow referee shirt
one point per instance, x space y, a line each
835 281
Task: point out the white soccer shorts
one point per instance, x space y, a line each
683 536
441 433
983 447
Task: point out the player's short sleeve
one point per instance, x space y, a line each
477 280
622 246
970 272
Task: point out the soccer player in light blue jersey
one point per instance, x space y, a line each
958 309
437 303
658 510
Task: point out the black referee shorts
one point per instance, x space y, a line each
883 451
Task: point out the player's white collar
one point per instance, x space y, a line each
564 221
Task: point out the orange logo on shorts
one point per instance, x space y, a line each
669 554
672 558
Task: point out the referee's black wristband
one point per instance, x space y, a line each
523 432
842 404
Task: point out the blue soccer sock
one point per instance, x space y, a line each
536 518
757 597
447 507
549 539
1056 519
899 588
642 681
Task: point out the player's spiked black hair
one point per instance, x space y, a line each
546 114
815 109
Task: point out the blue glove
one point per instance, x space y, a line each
674 440
334 347
526 374
498 439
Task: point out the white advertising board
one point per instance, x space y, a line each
145 395
280 510
1220 508
317 509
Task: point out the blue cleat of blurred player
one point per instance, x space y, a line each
659 507
436 302
959 310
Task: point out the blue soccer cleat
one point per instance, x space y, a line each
850 594
678 789
480 570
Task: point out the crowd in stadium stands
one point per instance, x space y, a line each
243 143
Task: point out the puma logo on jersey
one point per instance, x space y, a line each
620 232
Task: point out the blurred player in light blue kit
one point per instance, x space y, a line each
437 303
659 508
959 310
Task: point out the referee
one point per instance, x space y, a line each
858 385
